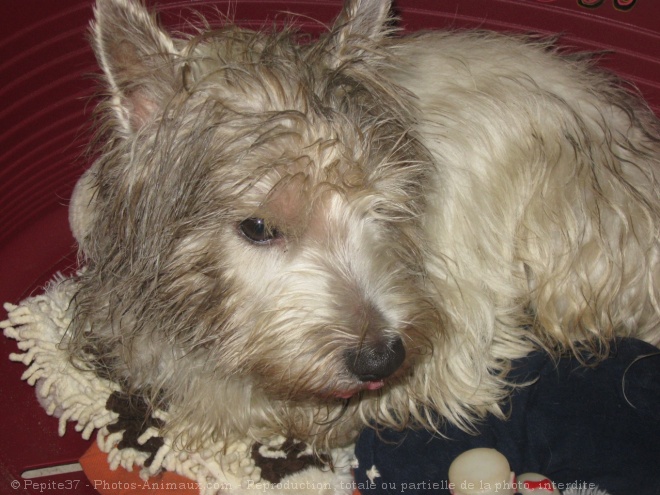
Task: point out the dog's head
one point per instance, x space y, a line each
255 211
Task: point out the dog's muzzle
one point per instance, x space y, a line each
375 361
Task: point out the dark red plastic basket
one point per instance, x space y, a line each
46 94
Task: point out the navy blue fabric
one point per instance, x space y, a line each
579 426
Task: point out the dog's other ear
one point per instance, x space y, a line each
361 25
137 58
81 206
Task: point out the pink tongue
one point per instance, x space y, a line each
365 386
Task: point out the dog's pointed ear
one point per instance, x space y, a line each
361 24
137 58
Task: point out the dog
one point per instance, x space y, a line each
300 238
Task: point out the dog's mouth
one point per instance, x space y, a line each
347 394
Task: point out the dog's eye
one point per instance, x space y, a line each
257 231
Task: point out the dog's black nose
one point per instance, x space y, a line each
375 361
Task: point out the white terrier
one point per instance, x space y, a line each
294 238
